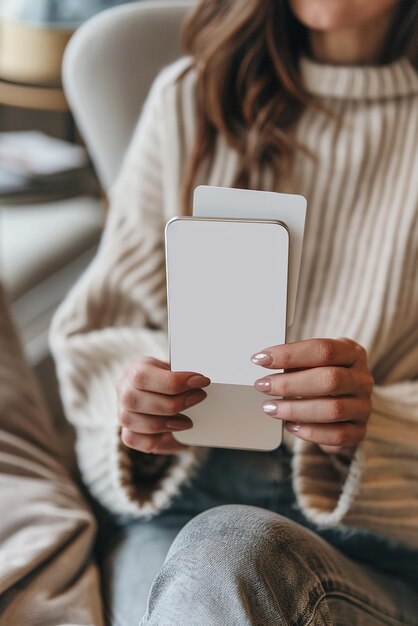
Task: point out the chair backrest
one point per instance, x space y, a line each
109 65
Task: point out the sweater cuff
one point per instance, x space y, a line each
340 464
325 487
149 482
378 490
147 467
107 468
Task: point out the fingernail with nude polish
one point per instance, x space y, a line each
270 408
262 358
292 427
263 384
179 424
197 381
195 397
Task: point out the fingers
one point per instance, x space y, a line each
148 432
151 398
159 404
320 410
325 390
318 381
335 435
163 443
151 425
153 375
310 353
345 453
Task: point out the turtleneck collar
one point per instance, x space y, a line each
357 82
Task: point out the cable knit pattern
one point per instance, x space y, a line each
358 279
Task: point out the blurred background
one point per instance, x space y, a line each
52 208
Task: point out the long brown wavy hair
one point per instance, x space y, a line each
246 54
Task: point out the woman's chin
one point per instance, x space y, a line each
329 15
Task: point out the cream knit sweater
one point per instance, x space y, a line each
358 279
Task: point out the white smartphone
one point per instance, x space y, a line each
227 282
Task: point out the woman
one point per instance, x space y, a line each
316 97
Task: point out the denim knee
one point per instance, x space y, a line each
238 562
238 528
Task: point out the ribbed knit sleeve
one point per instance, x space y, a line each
371 297
380 489
116 313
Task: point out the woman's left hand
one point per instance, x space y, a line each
325 391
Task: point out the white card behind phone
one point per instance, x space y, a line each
265 205
227 285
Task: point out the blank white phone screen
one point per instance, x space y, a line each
227 294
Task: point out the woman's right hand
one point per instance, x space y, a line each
150 400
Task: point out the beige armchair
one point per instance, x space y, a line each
108 68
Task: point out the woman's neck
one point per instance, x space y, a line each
352 46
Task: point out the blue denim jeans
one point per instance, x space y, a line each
233 549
